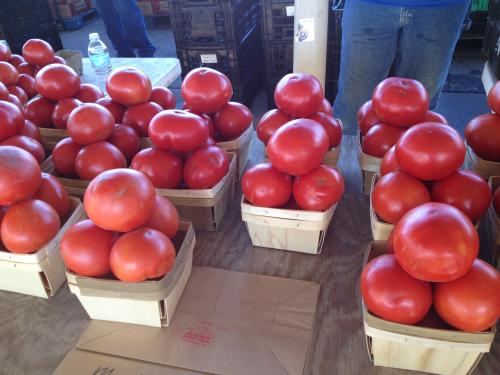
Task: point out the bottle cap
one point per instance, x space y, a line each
93 36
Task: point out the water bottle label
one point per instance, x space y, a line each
208 59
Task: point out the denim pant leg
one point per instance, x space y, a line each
369 45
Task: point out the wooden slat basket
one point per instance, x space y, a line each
369 165
483 167
51 137
493 225
241 146
380 229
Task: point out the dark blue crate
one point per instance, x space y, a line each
78 21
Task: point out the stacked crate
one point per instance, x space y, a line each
224 35
491 41
333 50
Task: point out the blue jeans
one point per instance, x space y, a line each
417 42
125 27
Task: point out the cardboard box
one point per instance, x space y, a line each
369 166
71 8
74 59
227 323
483 167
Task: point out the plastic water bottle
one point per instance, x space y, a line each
99 58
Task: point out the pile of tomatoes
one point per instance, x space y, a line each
296 149
129 231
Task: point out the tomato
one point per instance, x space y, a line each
232 120
299 94
16 60
163 168
96 158
128 86
264 186
298 147
64 155
270 122
10 118
19 92
139 117
126 140
178 130
51 191
206 167
165 217
494 98
29 144
431 116
395 194
390 293
390 242
472 302
496 201
4 92
27 83
483 136
117 110
38 52
29 225
27 69
435 242
15 100
85 249
465 190
210 123
332 126
90 123
5 54
326 107
380 138
62 111
29 129
430 151
318 189
400 101
39 111
206 90
156 258
8 74
389 162
120 200
163 97
59 60
57 81
89 93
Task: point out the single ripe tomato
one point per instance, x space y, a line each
431 116
27 69
494 98
51 191
298 147
39 111
206 167
64 155
206 90
496 201
128 86
126 140
10 119
117 110
326 107
299 94
395 194
139 117
89 123
400 101
62 111
264 186
270 122
483 136
57 81
89 93
28 226
27 83
163 97
232 120
332 126
8 74
380 138
85 249
19 92
319 189
4 92
59 60
210 124
38 52
120 200
163 168
15 100
430 151
165 217
5 54
435 242
389 162
29 129
15 60
390 293
96 158
26 143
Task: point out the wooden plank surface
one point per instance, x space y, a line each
36 334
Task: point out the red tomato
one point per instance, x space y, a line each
113 207
27 83
389 162
10 118
29 129
8 74
299 94
156 258
62 111
400 101
15 100
496 201
164 218
96 158
435 242
64 155
232 120
163 168
117 110
85 249
26 143
494 98
57 81
5 54
59 60
270 122
206 90
205 168
38 52
29 225
163 97
19 92
395 194
390 242
4 92
126 140
39 111
380 138
139 117
483 136
465 190
178 130
430 151
51 191
89 93
128 86
210 123
16 60
431 116
472 302
298 147
319 189
264 186
27 69
390 293
90 123
332 126
326 107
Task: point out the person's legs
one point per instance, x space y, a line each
135 29
114 28
369 43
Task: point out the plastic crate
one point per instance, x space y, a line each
494 10
278 57
331 90
277 21
79 21
179 4
493 46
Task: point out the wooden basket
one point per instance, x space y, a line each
380 229
51 137
241 146
493 225
74 59
150 303
369 166
40 274
437 351
483 167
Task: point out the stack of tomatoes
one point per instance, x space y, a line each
129 231
296 150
